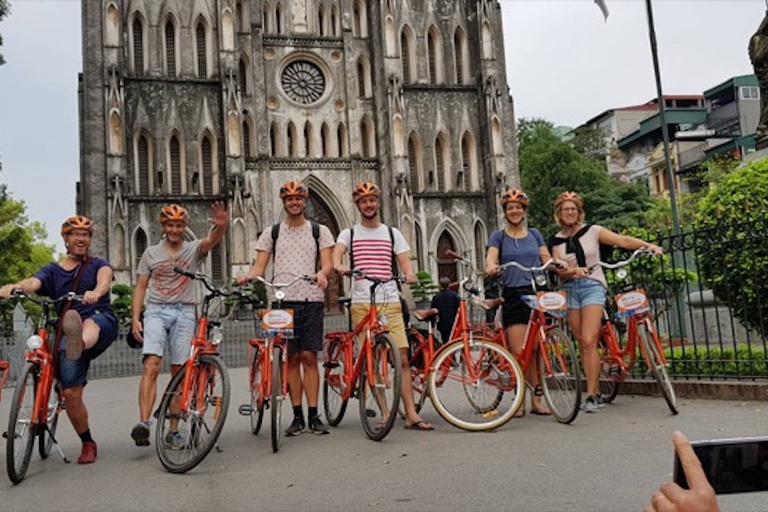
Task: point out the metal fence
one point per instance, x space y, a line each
710 300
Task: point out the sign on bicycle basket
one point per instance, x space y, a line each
632 302
551 302
274 321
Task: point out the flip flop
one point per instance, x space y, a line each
541 411
420 425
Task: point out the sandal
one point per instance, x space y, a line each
538 409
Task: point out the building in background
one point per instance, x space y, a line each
192 101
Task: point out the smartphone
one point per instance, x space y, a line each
731 465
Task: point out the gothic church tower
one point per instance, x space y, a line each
192 101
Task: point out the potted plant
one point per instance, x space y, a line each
423 289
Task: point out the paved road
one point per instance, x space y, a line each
610 461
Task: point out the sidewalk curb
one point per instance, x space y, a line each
716 390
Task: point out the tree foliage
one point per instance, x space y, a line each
22 246
734 256
550 164
5 8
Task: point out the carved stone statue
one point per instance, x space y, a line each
758 54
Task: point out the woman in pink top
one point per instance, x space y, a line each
578 245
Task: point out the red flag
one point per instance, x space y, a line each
603 8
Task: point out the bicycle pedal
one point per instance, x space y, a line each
5 435
331 365
491 414
245 410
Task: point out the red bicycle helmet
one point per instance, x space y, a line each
293 188
76 222
514 195
364 189
569 196
173 211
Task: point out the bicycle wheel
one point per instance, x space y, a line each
47 436
560 375
276 398
379 400
610 370
477 391
184 438
257 392
334 385
657 366
20 437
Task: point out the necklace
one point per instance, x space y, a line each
514 235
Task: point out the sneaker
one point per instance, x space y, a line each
317 426
140 433
600 402
73 330
174 440
88 453
590 404
296 428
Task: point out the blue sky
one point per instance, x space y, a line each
564 63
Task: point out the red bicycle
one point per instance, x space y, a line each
617 361
268 372
374 378
36 401
548 347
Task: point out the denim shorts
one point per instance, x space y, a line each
584 292
169 328
75 373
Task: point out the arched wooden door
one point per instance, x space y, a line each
445 266
319 212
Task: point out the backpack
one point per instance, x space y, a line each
391 239
574 246
315 235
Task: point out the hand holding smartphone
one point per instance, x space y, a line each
697 497
730 465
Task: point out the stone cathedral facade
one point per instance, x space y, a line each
192 101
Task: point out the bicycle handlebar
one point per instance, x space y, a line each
542 268
356 272
280 286
21 294
623 263
208 283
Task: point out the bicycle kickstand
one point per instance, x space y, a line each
56 444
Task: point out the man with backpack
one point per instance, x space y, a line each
298 246
377 250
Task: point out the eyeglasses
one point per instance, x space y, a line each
570 210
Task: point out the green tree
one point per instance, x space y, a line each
5 9
733 253
550 164
22 247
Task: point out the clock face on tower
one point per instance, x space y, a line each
303 82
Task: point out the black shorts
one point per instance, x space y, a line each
514 311
307 326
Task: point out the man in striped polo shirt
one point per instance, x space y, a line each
373 245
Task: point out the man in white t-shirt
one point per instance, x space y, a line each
372 247
295 251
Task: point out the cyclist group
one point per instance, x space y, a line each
163 312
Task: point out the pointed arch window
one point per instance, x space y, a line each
201 48
113 26
308 146
217 263
170 47
415 171
359 19
434 55
342 141
321 27
367 138
206 164
246 138
459 50
174 165
479 245
242 77
419 246
446 267
440 163
266 16
137 33
291 140
273 142
325 140
143 164
140 244
405 56
334 21
279 18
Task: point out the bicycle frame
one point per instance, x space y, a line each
627 356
